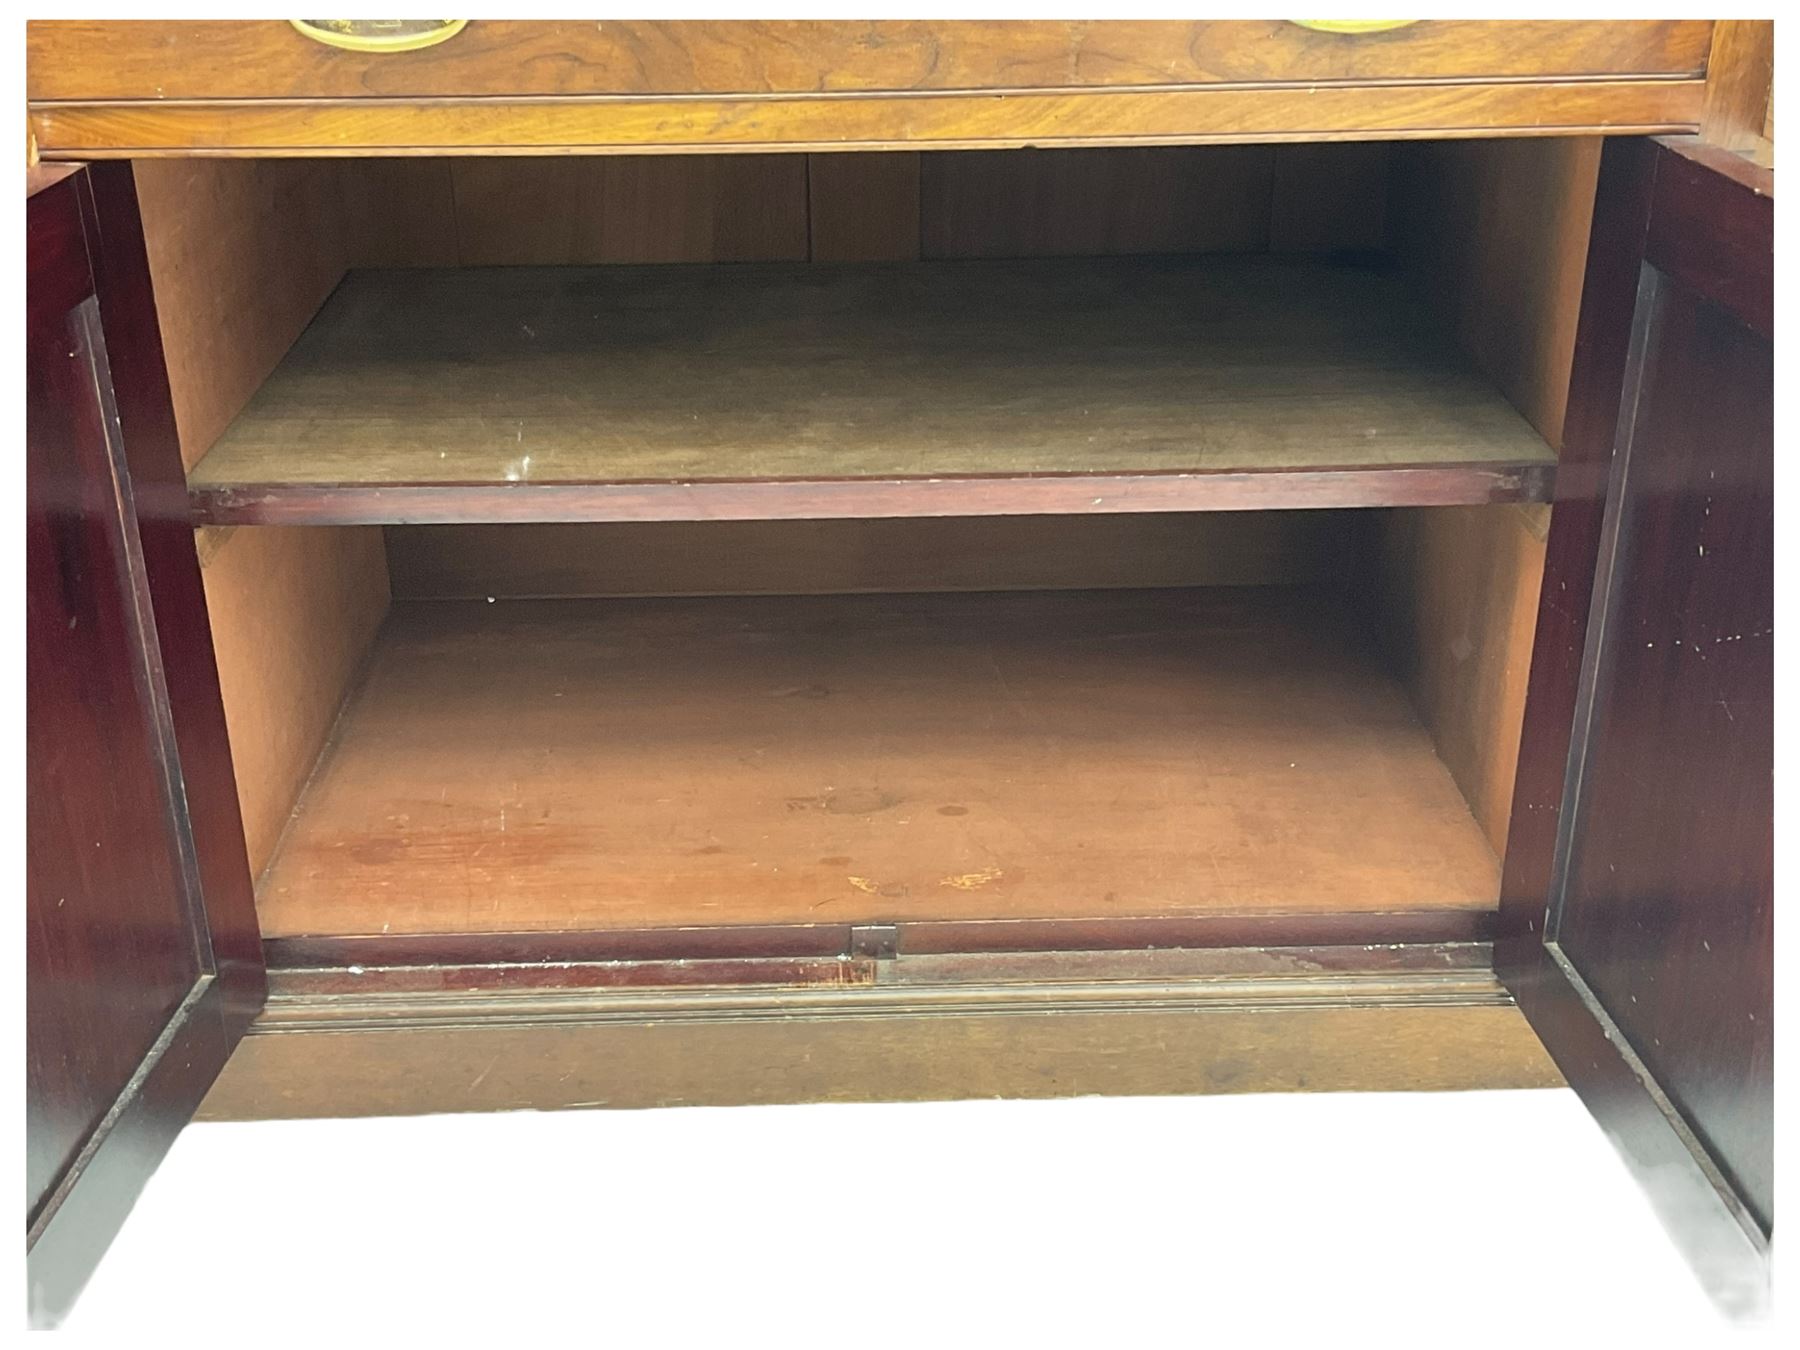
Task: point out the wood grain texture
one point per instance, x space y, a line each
241 258
856 207
294 614
417 1068
640 763
1002 370
1002 204
1740 83
686 208
653 209
741 123
84 59
800 557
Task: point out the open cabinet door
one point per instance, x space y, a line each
1637 902
144 961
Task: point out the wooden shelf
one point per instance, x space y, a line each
809 391
625 764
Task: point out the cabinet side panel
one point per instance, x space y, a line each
241 255
1495 232
295 610
151 448
1460 595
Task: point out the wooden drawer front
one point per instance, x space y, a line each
85 59
100 87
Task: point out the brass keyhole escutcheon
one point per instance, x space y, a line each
1350 27
380 35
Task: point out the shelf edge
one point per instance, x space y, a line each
871 498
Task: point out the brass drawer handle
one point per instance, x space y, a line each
380 35
1349 26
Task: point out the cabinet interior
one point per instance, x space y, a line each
496 727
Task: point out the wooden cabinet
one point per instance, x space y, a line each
745 627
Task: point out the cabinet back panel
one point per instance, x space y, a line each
1004 204
625 209
800 557
862 207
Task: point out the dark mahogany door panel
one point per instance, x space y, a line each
1674 841
129 1011
106 900
1639 906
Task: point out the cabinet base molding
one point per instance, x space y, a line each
1255 1020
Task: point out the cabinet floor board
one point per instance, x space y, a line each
779 391
532 765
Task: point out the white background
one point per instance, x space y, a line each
1457 1218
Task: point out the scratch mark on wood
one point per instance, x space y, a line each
973 881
